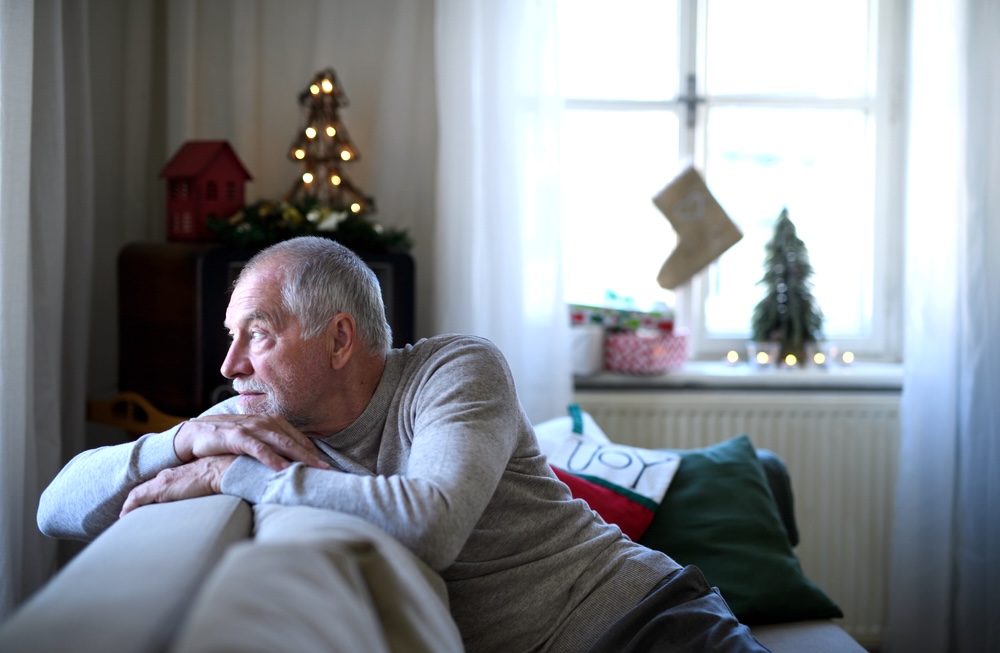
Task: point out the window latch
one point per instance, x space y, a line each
691 100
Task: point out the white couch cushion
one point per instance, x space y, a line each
819 636
130 588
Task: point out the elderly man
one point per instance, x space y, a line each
427 443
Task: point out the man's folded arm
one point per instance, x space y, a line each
86 497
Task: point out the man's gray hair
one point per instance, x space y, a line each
320 278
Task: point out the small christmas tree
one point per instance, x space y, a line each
323 147
788 314
323 201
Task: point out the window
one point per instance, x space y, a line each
778 104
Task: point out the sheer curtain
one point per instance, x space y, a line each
945 565
46 216
497 229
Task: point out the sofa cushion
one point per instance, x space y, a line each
319 580
611 503
817 636
719 515
623 484
130 588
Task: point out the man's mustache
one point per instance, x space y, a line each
244 385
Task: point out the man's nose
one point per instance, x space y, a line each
236 363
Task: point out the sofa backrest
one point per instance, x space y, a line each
129 589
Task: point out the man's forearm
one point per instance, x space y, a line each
86 497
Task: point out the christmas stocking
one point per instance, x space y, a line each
704 231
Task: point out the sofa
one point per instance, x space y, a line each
171 576
131 589
728 509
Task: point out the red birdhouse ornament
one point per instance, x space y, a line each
205 179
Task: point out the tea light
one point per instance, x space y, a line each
825 354
791 360
733 357
848 357
761 355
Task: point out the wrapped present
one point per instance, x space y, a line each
644 352
586 348
621 319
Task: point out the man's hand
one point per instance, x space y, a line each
199 478
268 438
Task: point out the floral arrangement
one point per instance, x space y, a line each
267 222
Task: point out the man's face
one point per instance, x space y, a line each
273 368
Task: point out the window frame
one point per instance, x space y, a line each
885 99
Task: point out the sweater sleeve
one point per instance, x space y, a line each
87 495
462 420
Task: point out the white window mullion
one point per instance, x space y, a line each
801 116
686 298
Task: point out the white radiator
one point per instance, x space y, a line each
840 448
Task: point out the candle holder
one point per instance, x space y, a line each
762 355
822 355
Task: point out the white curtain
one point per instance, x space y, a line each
945 564
497 230
46 220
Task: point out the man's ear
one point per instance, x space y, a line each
342 338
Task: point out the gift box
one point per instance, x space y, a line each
623 319
586 348
642 352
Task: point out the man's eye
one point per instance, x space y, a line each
256 335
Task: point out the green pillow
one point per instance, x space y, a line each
719 515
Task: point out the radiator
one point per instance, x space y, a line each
841 451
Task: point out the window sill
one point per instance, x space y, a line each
699 375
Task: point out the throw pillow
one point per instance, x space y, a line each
637 478
576 422
720 516
615 507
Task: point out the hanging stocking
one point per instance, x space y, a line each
704 231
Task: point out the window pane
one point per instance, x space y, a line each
818 164
614 238
807 48
625 49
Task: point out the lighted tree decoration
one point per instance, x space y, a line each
323 201
788 314
323 147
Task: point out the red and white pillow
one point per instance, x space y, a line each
624 485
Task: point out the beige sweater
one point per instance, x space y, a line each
445 460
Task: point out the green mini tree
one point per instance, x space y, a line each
788 314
